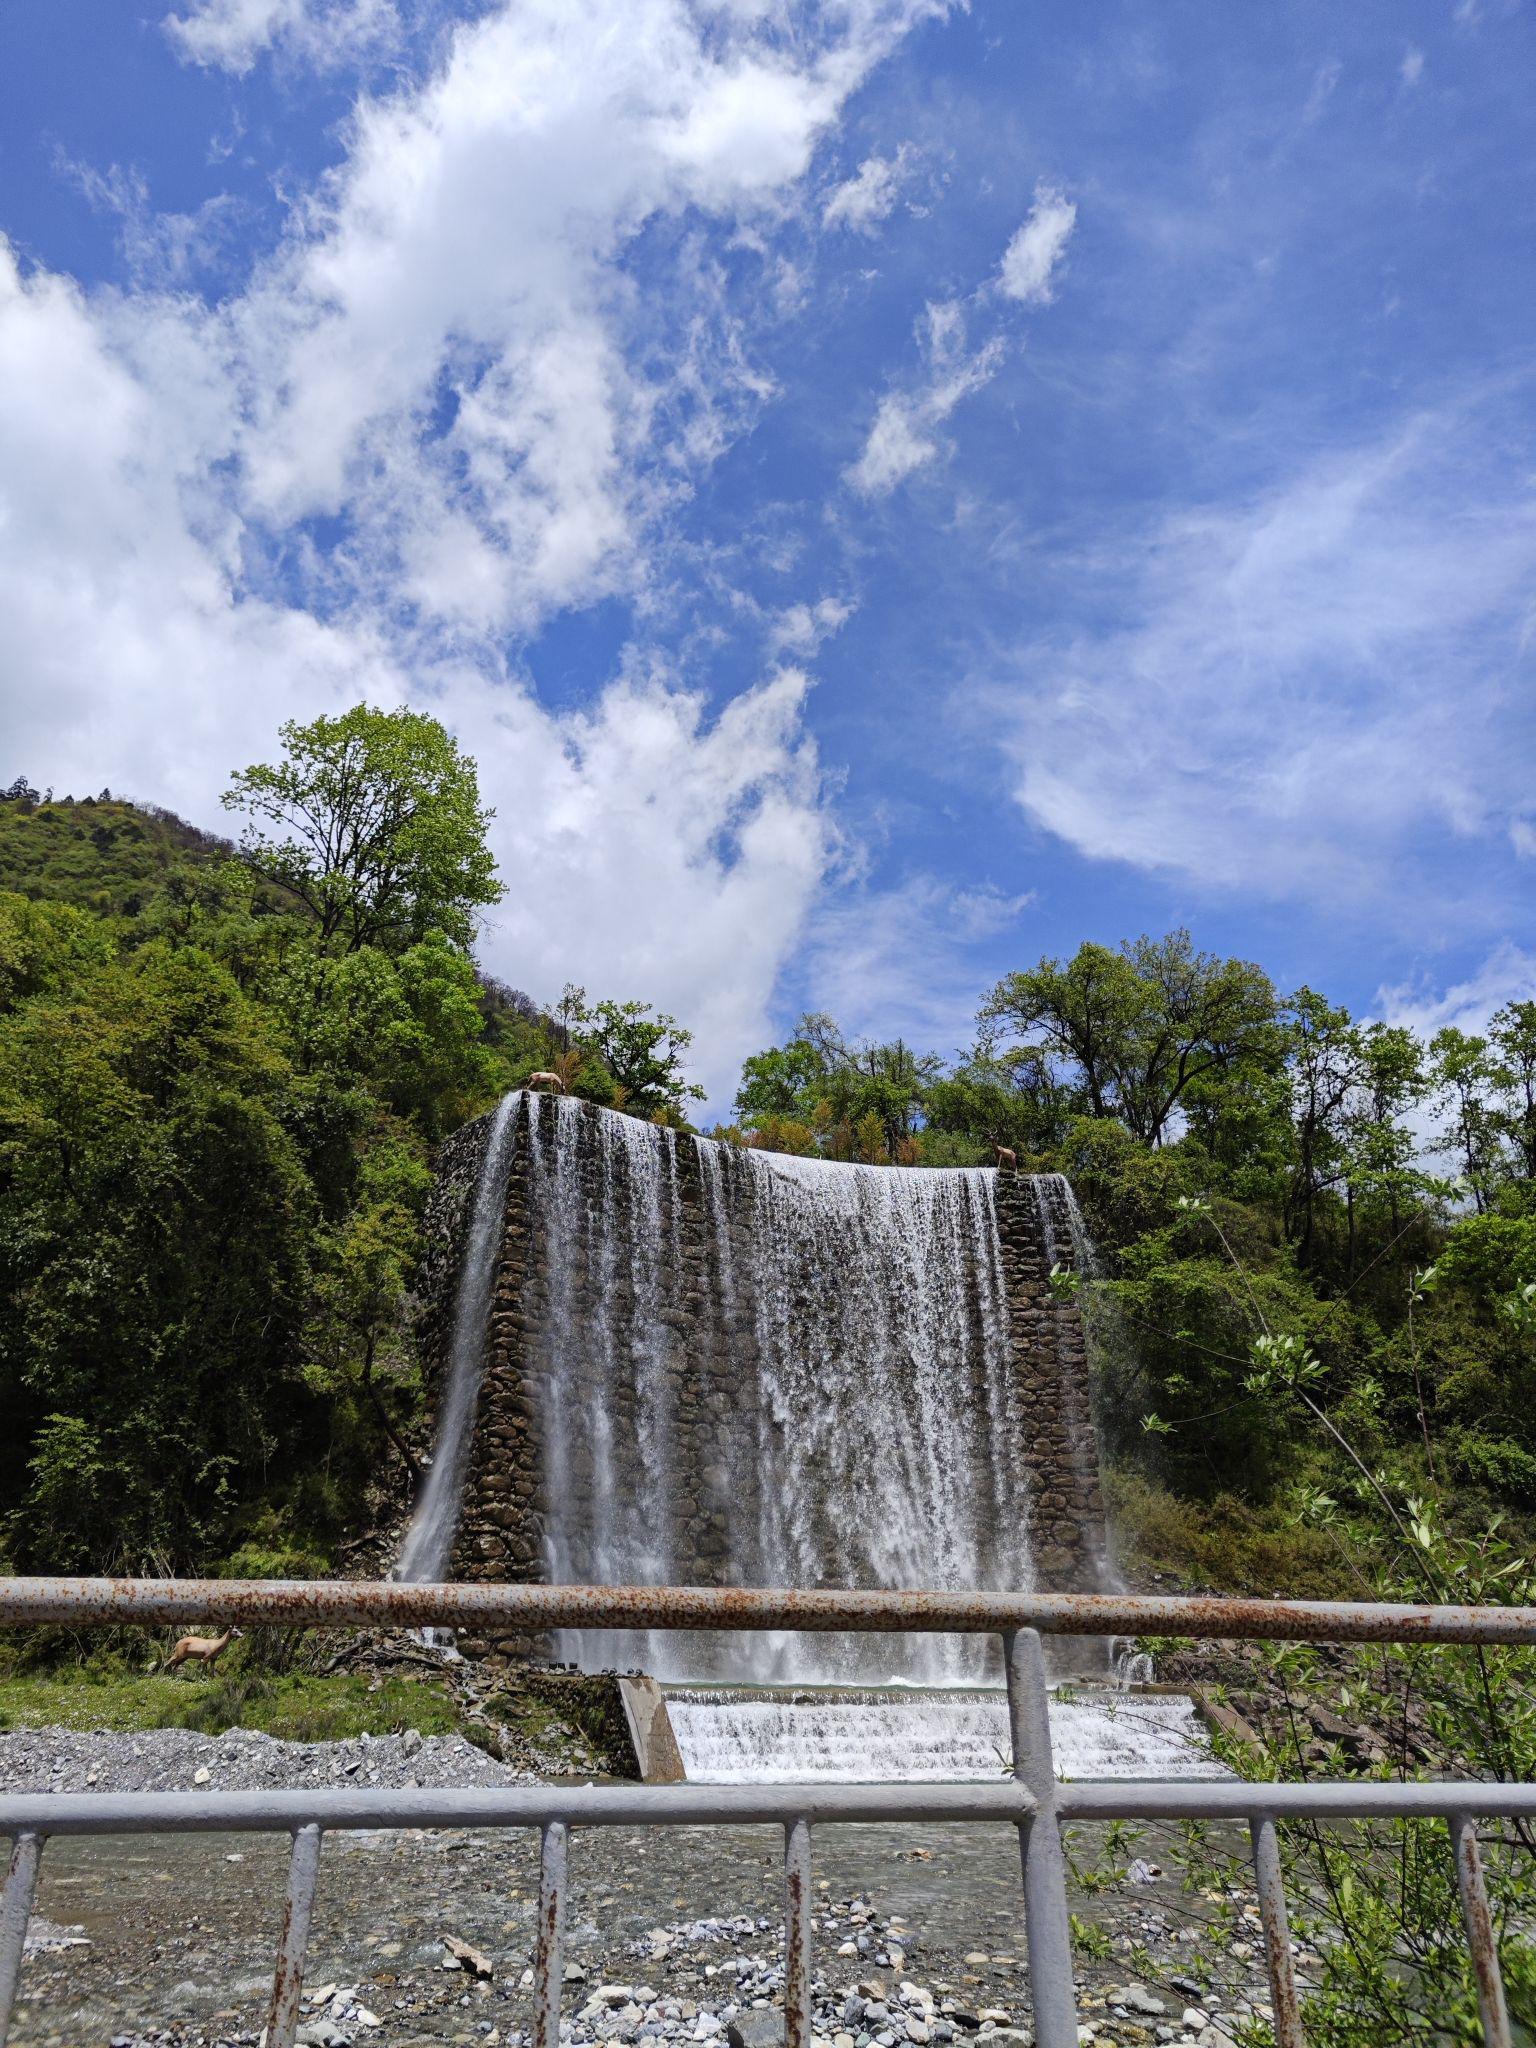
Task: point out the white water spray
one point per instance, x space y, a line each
858 1317
428 1542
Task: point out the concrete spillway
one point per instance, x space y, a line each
727 1736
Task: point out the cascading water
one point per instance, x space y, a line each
859 1316
751 1369
429 1539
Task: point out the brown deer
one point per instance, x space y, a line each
548 1082
1006 1156
201 1648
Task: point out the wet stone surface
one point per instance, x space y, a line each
672 1936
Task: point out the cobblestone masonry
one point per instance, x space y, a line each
500 1535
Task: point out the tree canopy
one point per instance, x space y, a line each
1137 1027
373 821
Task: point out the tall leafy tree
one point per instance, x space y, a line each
1512 1036
1465 1077
643 1049
373 821
1139 1026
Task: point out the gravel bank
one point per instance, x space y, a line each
673 1940
241 1760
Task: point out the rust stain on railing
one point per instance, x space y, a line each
1035 1800
332 1603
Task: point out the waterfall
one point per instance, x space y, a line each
754 1369
435 1518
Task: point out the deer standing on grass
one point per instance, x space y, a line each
201 1648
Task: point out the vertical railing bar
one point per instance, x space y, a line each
797 1934
548 1963
1277 1932
1479 1925
15 1912
1047 1926
288 1978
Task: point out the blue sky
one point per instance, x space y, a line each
885 490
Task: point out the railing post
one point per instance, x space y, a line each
548 1966
1479 1925
1047 1926
288 1979
15 1912
1277 1932
797 1934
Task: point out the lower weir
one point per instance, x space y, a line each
729 1735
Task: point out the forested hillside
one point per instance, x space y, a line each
1316 1239
222 1071
223 1067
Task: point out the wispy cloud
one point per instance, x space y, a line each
1287 690
800 629
1030 260
864 944
863 201
231 35
903 435
1506 975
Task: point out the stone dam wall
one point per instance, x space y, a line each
708 1321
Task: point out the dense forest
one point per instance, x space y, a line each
224 1064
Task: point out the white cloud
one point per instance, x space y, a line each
448 346
867 198
1029 262
1412 68
801 628
1507 975
231 35
903 437
1295 690
860 955
652 850
448 357
895 447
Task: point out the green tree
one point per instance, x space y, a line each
373 821
1512 1035
1465 1079
154 1229
841 1092
642 1049
1137 1027
1322 1054
1382 1147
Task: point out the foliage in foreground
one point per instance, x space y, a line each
1378 1900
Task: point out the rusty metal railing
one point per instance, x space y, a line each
1034 1800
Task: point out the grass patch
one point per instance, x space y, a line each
1223 1545
297 1706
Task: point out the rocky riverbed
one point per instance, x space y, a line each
674 1936
240 1760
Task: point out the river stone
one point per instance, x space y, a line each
756 2028
1137 1998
